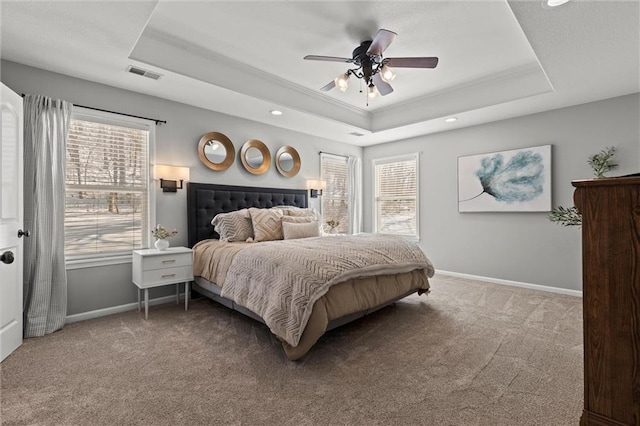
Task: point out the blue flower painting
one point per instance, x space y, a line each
517 180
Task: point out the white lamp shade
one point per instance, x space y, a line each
316 184
176 173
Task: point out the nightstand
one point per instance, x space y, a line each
155 268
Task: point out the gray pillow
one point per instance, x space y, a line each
294 231
266 224
233 226
298 219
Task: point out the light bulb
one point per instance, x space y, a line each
387 73
372 92
556 3
342 82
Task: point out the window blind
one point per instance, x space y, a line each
107 185
396 196
334 170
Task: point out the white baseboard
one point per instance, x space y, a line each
166 299
529 286
117 309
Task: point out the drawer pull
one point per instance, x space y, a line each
168 275
168 261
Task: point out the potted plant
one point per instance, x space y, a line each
160 233
600 163
332 224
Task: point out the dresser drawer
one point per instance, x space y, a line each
157 277
169 260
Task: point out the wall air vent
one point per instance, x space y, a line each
356 134
143 72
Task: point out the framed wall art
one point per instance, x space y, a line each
518 180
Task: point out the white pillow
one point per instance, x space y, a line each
298 219
233 226
296 211
302 212
266 224
294 231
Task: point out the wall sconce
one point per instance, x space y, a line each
316 187
170 175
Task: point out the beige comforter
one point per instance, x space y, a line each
281 280
284 281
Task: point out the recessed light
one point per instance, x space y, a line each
450 119
556 3
275 112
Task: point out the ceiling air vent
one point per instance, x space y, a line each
143 72
356 134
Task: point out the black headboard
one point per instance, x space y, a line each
205 200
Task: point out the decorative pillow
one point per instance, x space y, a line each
297 211
233 226
293 231
303 212
266 224
298 219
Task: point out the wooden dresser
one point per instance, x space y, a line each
610 211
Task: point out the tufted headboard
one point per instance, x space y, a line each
205 200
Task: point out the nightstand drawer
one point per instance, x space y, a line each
169 260
168 275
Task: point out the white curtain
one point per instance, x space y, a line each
355 194
46 126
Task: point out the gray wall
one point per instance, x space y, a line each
176 144
522 247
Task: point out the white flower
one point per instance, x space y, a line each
160 232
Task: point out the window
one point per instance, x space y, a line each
396 195
107 209
334 170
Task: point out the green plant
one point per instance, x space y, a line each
600 163
333 223
566 216
160 232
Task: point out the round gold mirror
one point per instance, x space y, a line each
216 151
255 157
288 161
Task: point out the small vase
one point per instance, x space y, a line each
161 244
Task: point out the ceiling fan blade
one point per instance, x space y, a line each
327 58
381 41
383 87
427 62
328 86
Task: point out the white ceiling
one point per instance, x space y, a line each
498 59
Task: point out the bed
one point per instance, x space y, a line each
337 294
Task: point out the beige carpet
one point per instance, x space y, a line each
470 353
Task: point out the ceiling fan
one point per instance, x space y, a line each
372 67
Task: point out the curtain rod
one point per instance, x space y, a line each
158 122
331 153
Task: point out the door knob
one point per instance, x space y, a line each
7 257
22 233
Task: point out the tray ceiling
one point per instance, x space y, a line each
498 59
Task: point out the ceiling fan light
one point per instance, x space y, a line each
372 92
387 73
342 82
556 3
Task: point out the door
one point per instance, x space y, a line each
10 223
